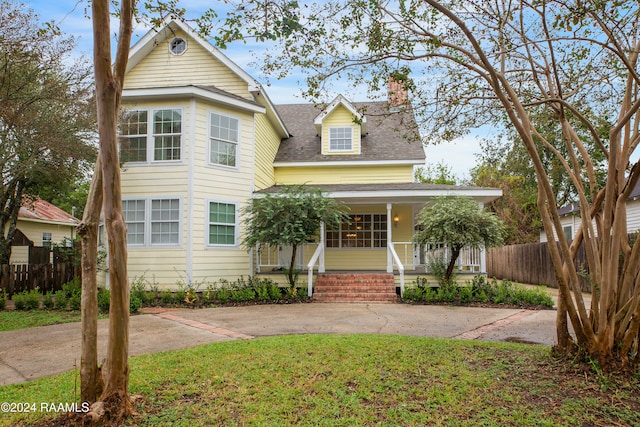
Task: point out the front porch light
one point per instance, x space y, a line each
396 220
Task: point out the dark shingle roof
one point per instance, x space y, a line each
390 136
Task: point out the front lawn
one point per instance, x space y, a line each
357 380
11 319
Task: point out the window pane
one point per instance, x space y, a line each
222 223
134 218
133 137
223 136
362 231
167 128
165 225
223 153
340 139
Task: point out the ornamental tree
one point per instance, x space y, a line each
290 217
458 222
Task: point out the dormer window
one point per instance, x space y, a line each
178 46
340 139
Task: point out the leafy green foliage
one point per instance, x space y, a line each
458 222
27 300
479 290
290 217
438 173
47 115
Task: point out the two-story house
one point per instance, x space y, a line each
200 138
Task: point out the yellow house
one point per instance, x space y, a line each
200 138
40 225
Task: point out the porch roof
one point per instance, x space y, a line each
410 192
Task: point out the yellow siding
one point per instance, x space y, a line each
351 174
342 117
196 66
33 230
266 147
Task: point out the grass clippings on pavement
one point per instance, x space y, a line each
358 380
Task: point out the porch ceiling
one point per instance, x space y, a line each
404 193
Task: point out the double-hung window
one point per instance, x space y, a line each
340 139
223 139
152 222
151 135
361 231
222 223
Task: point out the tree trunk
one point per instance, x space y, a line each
109 83
292 264
91 384
455 253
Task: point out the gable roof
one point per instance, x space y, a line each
154 37
340 100
391 137
42 211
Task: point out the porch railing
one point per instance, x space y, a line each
398 263
318 254
469 259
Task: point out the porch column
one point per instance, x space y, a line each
389 240
483 252
322 242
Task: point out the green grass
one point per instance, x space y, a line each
11 320
356 380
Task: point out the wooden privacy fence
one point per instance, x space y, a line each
530 263
47 277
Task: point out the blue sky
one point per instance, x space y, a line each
71 17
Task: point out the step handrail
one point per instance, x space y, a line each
310 265
398 263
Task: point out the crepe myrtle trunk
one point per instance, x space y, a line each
290 273
455 253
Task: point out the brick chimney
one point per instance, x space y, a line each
397 93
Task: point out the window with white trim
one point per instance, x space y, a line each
165 222
152 222
361 231
47 241
340 138
160 139
222 223
568 232
134 217
223 139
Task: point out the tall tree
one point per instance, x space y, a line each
477 62
47 122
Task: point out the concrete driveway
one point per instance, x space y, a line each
32 353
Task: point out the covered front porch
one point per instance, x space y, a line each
378 236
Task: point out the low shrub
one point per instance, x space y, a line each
47 301
19 302
75 302
27 300
166 297
104 300
72 288
60 301
223 295
242 295
135 303
275 293
479 290
3 300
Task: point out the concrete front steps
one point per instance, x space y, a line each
355 287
